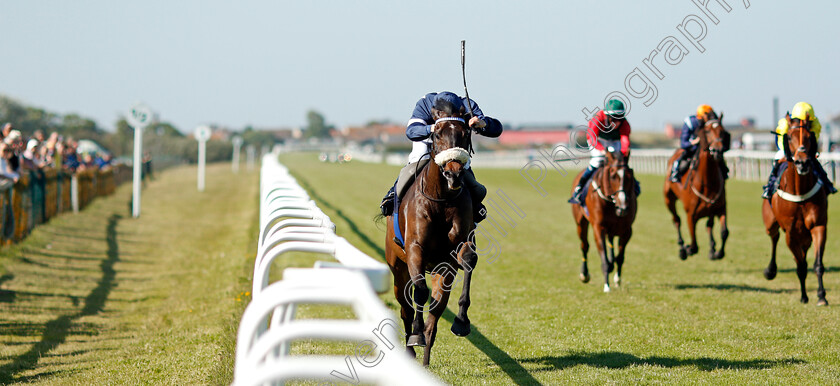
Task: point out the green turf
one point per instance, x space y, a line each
101 298
694 321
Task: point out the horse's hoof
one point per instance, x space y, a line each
617 279
683 254
606 288
803 300
719 255
692 250
822 302
584 278
769 274
416 341
460 328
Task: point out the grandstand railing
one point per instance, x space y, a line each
291 221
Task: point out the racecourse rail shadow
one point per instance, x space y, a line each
732 287
620 360
56 331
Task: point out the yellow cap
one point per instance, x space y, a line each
801 110
704 109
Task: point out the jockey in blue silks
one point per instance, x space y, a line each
419 132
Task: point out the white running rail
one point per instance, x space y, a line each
290 221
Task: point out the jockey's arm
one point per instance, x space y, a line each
685 136
418 127
595 125
624 131
492 127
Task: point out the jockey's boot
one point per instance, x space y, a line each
387 205
823 176
637 187
724 168
771 181
477 193
584 178
675 170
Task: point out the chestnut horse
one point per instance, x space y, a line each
611 209
436 219
702 190
799 207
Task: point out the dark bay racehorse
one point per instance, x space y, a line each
611 205
799 207
436 218
702 191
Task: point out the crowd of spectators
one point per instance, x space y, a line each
39 152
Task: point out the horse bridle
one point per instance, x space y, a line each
603 195
433 151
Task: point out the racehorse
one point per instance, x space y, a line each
702 191
436 219
799 207
611 209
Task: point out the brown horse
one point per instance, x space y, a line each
611 204
436 219
702 191
799 207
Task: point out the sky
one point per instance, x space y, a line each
266 63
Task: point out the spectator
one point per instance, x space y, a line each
6 154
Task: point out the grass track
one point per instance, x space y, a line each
101 298
694 321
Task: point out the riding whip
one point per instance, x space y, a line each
464 76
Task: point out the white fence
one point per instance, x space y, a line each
290 221
749 165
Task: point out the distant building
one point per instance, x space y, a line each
535 135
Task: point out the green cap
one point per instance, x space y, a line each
615 108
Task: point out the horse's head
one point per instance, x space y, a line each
619 180
450 142
711 137
799 137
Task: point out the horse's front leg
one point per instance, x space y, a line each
724 234
601 242
441 288
710 227
583 234
772 229
619 259
414 255
468 259
818 234
671 202
801 264
692 231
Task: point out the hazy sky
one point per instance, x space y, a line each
266 63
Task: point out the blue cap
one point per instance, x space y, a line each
450 98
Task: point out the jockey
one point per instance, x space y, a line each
689 140
419 131
800 111
610 126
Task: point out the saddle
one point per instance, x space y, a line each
406 179
407 176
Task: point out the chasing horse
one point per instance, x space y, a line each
799 206
431 215
605 192
702 188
